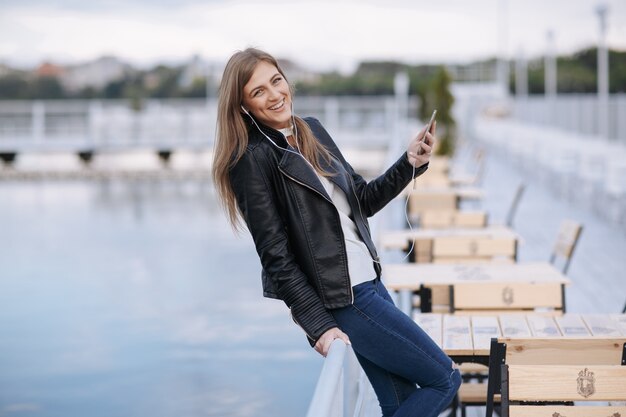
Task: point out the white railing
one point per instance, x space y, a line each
577 113
582 168
328 397
342 389
74 125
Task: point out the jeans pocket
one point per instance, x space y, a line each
364 294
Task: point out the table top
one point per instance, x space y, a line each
465 192
462 179
398 239
409 276
465 335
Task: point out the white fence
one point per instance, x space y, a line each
74 125
590 172
342 389
578 113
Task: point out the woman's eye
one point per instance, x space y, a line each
257 93
277 80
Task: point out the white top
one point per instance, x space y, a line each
360 262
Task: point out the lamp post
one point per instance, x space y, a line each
209 83
550 67
550 80
603 74
521 75
503 64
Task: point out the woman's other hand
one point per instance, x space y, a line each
323 343
413 151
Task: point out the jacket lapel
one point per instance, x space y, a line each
295 167
339 178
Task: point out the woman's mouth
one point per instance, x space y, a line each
278 106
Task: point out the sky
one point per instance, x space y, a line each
320 34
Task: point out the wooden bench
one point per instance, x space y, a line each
438 219
545 360
458 249
423 201
437 278
536 374
494 297
437 199
454 245
439 164
507 297
432 178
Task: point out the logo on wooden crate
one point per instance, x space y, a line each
473 248
507 295
586 382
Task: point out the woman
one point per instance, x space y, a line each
307 212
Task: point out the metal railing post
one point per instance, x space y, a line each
331 113
38 121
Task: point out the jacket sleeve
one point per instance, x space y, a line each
256 200
376 194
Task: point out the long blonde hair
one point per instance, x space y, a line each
232 132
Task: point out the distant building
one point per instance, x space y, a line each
48 69
96 74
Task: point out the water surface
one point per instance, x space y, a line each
136 299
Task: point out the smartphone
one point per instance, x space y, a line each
420 151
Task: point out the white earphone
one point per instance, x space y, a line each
274 143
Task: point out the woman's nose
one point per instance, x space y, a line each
274 94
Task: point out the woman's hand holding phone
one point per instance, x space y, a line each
420 148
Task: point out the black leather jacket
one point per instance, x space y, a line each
296 227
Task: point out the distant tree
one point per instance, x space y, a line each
380 67
46 88
88 93
167 85
134 91
420 80
13 86
114 89
440 98
575 78
577 73
197 89
617 71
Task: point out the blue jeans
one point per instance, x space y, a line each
396 354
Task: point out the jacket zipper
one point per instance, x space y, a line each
304 185
330 201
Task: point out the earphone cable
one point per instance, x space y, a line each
406 215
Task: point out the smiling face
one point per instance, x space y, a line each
267 96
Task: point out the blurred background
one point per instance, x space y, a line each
123 289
